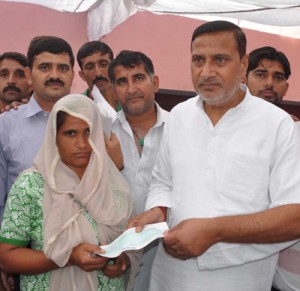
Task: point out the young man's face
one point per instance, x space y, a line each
51 76
13 82
135 89
268 81
95 71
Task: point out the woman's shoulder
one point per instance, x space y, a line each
29 183
34 178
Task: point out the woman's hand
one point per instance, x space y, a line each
116 267
7 281
83 257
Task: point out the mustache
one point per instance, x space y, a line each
264 90
209 81
54 81
100 78
133 96
11 87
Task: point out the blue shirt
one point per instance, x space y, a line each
21 135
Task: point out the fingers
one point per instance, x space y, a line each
153 215
83 256
4 279
133 222
116 267
25 100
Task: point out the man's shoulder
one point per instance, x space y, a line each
185 105
261 106
15 113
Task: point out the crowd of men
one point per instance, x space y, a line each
222 168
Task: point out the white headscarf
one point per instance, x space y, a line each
102 191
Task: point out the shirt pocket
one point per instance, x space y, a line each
243 181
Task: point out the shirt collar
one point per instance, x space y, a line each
162 116
32 107
244 101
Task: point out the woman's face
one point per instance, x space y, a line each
73 145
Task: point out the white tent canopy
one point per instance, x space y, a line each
274 16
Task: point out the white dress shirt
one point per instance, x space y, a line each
137 171
241 165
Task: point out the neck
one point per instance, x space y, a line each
46 105
215 112
143 121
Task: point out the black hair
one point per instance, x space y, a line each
51 44
219 26
60 119
18 57
92 47
130 59
269 53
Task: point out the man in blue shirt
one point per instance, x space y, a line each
50 73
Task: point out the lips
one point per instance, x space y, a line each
134 99
55 84
209 86
82 155
268 93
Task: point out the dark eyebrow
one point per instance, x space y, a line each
89 63
260 71
266 71
121 79
279 73
139 75
44 64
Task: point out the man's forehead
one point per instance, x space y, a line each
96 56
132 69
10 64
46 57
270 65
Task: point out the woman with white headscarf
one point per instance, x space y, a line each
71 201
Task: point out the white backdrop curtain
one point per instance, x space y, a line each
274 16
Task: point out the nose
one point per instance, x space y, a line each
54 73
131 87
208 70
269 81
82 141
11 78
99 71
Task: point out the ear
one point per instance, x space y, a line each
73 75
244 66
155 83
28 76
286 88
82 76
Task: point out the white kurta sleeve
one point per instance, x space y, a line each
161 185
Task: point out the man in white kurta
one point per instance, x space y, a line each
228 172
287 277
236 167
